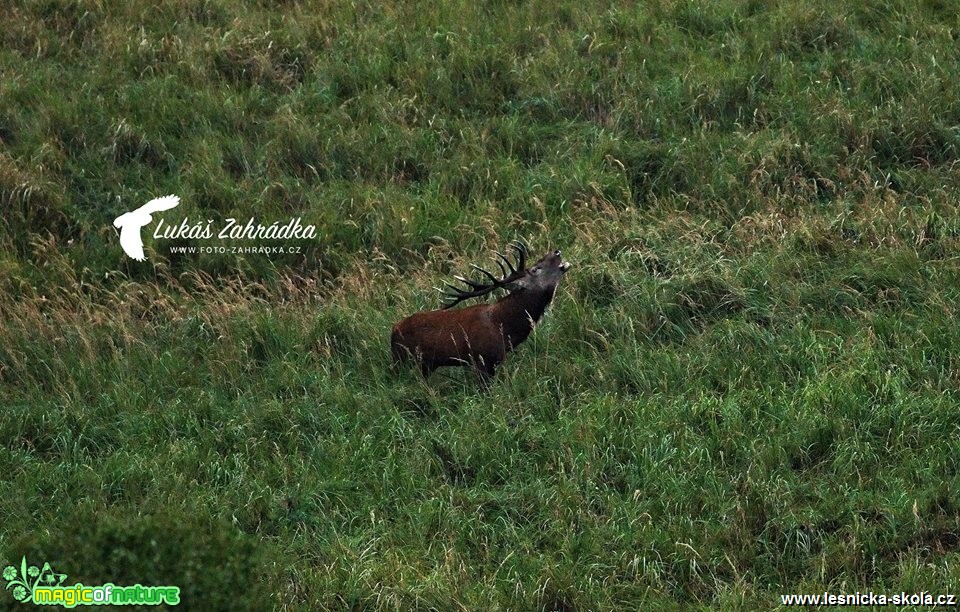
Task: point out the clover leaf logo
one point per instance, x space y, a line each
28 578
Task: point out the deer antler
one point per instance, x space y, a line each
480 288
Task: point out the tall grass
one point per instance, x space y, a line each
747 385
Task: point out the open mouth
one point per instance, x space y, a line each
565 266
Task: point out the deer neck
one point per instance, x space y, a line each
519 312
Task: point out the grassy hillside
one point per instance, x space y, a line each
747 386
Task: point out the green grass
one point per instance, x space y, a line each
747 385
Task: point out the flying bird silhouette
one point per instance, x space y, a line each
131 222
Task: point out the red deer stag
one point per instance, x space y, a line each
481 335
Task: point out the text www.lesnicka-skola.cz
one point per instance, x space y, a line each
241 250
869 599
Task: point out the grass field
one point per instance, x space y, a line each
747 385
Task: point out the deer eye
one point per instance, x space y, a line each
535 270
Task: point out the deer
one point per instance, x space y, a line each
480 336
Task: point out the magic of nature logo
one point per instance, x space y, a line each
42 586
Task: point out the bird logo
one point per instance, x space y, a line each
130 223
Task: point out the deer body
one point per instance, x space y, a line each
480 336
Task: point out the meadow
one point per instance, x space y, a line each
747 385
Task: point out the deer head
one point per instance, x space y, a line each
543 276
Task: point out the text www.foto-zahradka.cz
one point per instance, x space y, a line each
243 250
